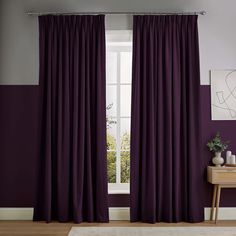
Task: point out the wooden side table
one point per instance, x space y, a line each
220 177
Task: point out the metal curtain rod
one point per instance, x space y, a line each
116 13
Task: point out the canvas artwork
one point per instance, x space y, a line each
223 94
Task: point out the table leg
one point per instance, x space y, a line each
213 202
217 202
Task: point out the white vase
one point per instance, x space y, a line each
232 159
218 160
228 155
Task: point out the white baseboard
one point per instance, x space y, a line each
115 213
121 213
224 213
16 213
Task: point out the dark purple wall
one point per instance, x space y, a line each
118 200
18 147
18 143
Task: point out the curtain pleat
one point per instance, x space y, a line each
165 124
72 182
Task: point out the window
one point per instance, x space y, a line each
118 99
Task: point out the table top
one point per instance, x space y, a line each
222 168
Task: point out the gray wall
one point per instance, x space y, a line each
19 32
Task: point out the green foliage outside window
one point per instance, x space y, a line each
111 154
111 159
125 158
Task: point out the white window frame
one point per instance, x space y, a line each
118 41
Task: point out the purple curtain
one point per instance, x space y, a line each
165 159
72 176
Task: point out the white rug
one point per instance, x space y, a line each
153 231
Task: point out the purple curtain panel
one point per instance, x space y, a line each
165 128
73 171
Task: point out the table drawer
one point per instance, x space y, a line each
223 176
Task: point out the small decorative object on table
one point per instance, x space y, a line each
217 146
232 159
228 156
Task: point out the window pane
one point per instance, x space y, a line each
111 67
126 67
125 167
125 133
125 100
111 133
111 100
111 166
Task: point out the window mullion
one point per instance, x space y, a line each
118 161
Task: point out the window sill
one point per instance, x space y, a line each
118 192
119 188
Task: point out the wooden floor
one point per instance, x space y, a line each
29 228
